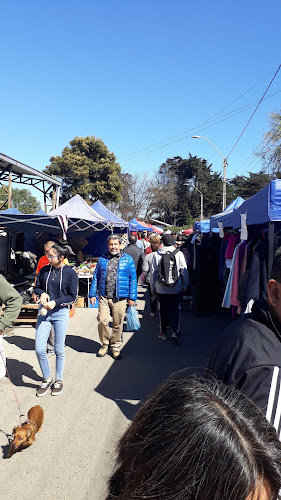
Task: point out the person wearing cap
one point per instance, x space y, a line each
169 296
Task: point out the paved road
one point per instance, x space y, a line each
73 456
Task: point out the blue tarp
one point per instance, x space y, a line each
226 217
134 225
11 211
107 214
202 226
40 212
263 207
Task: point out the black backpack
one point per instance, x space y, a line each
167 273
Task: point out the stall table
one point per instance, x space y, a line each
28 315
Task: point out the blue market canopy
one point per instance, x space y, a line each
202 226
263 207
134 225
226 217
107 214
19 222
80 218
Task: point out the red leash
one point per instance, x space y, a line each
15 394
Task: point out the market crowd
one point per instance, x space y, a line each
207 438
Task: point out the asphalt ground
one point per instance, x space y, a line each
73 457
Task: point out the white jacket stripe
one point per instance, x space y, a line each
272 393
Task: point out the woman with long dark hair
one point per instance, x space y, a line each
197 440
57 286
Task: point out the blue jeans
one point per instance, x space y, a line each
59 320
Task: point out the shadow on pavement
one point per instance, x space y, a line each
23 343
80 344
147 361
18 369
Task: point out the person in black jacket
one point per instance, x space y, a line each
57 287
248 356
135 252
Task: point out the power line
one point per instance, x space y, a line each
197 127
254 111
261 152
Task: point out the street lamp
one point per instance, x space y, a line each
201 196
224 164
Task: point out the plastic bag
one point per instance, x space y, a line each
133 322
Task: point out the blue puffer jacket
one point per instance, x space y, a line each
126 278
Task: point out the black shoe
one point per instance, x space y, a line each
175 339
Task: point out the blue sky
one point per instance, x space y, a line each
138 74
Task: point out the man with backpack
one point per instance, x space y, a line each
169 278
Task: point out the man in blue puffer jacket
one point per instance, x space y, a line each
115 279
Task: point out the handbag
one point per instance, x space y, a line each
133 322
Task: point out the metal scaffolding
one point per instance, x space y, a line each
14 171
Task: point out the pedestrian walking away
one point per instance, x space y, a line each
115 280
12 301
57 286
155 244
136 253
169 279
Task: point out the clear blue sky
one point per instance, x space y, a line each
138 74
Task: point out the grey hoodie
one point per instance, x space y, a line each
181 283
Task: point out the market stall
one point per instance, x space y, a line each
226 217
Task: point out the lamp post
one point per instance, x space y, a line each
224 164
201 196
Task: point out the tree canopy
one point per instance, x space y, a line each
22 199
271 152
246 187
87 168
136 196
176 203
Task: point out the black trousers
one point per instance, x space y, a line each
169 308
153 300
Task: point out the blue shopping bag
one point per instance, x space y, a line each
133 322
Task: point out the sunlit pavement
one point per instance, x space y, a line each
74 454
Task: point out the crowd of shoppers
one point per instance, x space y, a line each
192 439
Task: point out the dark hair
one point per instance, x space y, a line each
197 440
276 266
168 239
132 239
62 250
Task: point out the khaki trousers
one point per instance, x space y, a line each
116 309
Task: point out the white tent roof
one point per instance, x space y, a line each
77 208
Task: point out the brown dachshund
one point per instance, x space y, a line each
25 435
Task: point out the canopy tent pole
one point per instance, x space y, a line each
270 246
10 188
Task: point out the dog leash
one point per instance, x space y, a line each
22 414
